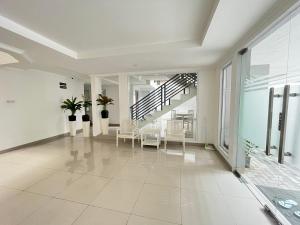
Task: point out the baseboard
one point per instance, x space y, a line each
202 145
225 158
114 125
41 141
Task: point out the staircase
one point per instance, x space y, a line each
161 100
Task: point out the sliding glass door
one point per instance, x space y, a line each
269 130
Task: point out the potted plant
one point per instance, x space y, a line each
86 103
104 101
249 148
72 105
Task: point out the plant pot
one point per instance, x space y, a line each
86 128
104 125
72 118
104 114
247 161
85 118
73 129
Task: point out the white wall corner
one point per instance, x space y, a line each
124 97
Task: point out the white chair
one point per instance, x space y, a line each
173 114
150 136
175 132
127 130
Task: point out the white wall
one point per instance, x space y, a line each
124 113
207 97
30 105
112 91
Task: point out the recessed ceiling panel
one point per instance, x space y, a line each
95 24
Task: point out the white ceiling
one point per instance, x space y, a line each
100 36
88 25
233 18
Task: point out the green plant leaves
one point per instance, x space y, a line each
71 104
104 100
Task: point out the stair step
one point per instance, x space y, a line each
175 101
188 79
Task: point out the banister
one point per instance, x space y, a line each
161 95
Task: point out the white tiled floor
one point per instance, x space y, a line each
84 181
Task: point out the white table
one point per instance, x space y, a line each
150 136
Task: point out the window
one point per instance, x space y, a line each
225 106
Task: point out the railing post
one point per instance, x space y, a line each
177 84
161 97
164 92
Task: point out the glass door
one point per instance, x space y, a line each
268 154
292 135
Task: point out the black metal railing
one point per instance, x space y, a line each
161 96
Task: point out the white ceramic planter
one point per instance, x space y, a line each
73 129
104 125
86 128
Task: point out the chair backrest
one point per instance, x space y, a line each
173 114
128 125
191 114
174 126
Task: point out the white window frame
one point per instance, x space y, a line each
225 149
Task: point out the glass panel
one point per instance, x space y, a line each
269 59
272 63
294 51
265 67
256 117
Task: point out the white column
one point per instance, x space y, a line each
207 106
95 90
123 97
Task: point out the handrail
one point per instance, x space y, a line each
162 95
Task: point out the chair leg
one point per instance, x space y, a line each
183 143
117 141
133 142
165 144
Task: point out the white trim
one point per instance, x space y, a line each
158 72
11 48
110 81
210 18
29 34
221 102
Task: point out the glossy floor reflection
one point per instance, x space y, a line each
85 181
